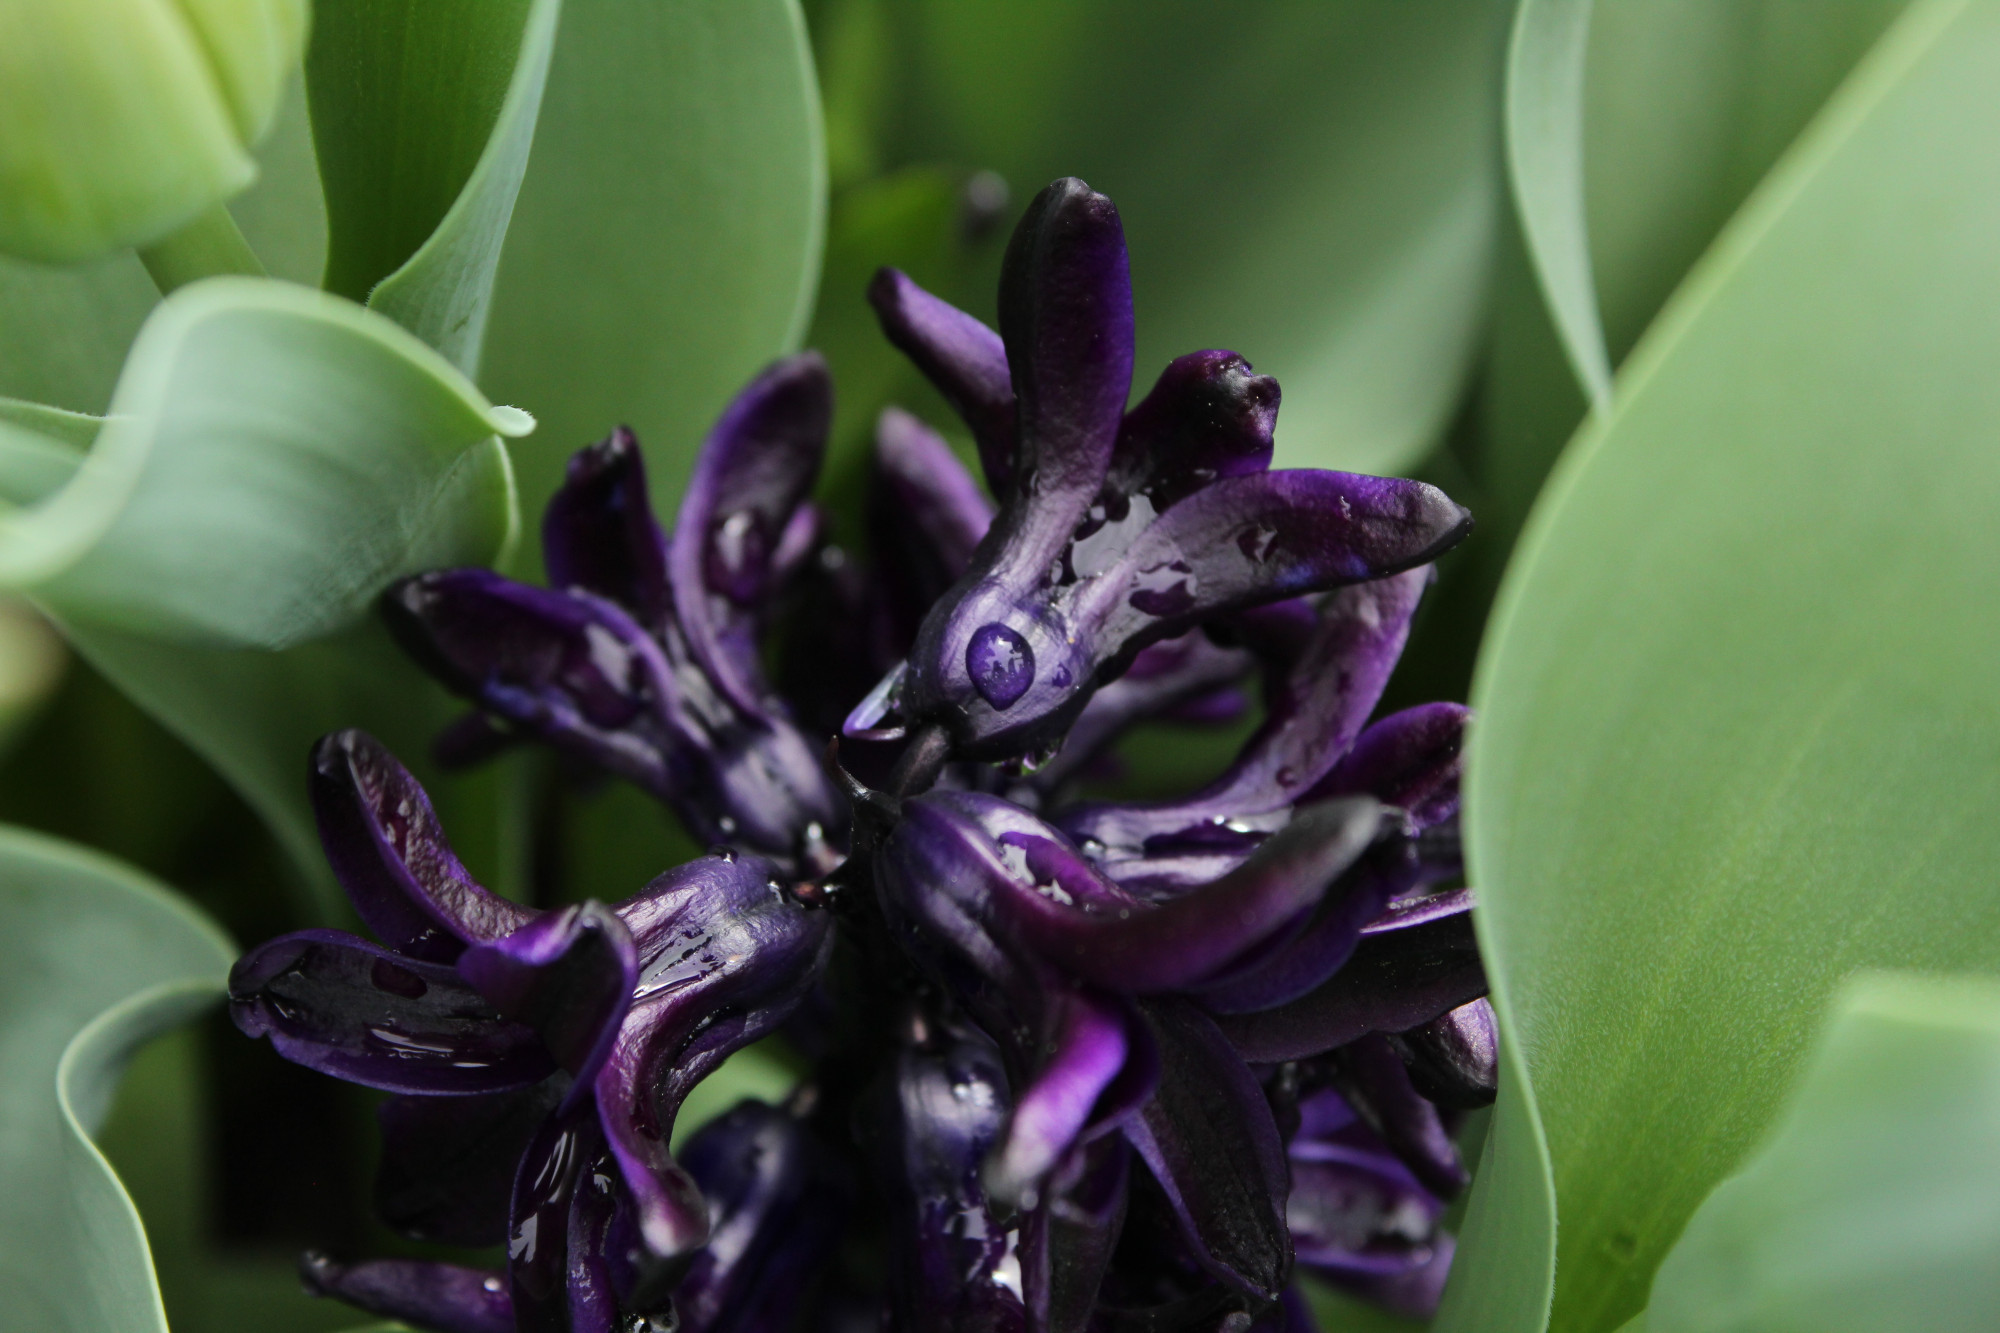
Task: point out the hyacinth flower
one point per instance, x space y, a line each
642 657
538 1058
1114 529
1096 998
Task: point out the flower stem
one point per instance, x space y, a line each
208 246
921 762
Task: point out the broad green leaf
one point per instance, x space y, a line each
1736 731
423 114
1874 1207
1504 1271
64 331
1544 132
1314 185
283 215
271 458
94 958
666 241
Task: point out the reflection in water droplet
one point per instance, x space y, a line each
1001 664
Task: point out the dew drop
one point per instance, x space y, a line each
1001 664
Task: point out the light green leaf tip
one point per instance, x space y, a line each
94 959
1736 730
272 457
1544 137
1874 1206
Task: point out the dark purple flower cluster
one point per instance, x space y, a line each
1073 1065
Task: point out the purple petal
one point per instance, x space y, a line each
593 1262
1066 1244
447 1165
1412 1293
1412 759
755 469
1454 1060
1357 1215
574 669
962 358
1209 416
538 1222
925 514
569 975
725 953
778 1208
1251 539
1372 1078
1419 962
446 1297
1315 710
1090 1047
1210 1140
599 533
389 852
1066 319
336 1003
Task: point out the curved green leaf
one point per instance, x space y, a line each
1544 130
94 958
1504 1272
272 457
423 114
1875 1204
1315 185
666 241
64 331
1736 730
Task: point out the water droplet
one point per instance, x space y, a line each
727 824
726 855
1001 664
491 1284
1286 777
397 980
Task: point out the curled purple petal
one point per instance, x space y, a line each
538 1222
599 533
1454 1060
961 357
928 514
756 468
1412 759
1067 1243
1209 416
447 1297
389 852
1419 961
1210 1140
1375 1083
598 1278
447 1165
1090 1046
336 1003
569 975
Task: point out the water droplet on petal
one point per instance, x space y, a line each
1001 664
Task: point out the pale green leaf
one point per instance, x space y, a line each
666 241
424 113
64 331
94 958
1736 733
1314 185
1874 1207
271 458
1504 1271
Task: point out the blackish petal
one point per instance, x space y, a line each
755 469
569 975
336 1003
1371 1076
1412 759
961 357
1210 1140
778 1205
1208 416
1066 320
538 1221
447 1297
599 533
574 669
1316 706
1066 1245
389 852
1261 538
593 1264
1454 1060
1418 961
447 1165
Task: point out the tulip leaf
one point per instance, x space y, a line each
1875 1202
1736 735
94 958
1504 1270
271 458
1317 188
64 331
423 112
666 241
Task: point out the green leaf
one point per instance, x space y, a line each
64 331
272 457
423 112
1504 1271
1736 731
667 237
94 958
1316 187
1875 1203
